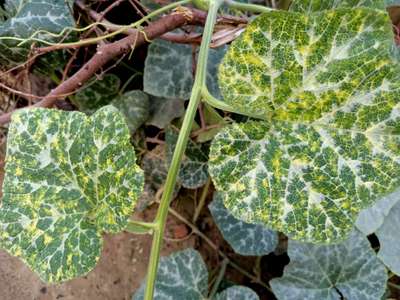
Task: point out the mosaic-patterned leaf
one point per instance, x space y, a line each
25 18
389 240
244 238
194 169
168 71
332 146
135 106
183 276
68 179
349 270
98 93
307 6
237 293
371 218
164 110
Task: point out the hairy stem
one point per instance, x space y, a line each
195 98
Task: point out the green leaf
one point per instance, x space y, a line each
237 293
24 18
331 147
193 172
371 218
168 71
244 238
98 93
135 106
164 110
183 275
349 270
308 6
68 179
389 237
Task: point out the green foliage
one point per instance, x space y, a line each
97 93
245 239
23 19
388 235
194 170
168 71
183 275
164 110
135 106
327 85
349 270
371 218
68 179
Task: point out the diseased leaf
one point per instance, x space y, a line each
68 179
331 147
371 218
168 71
237 293
193 172
24 18
308 6
183 276
98 93
164 110
244 238
389 240
135 106
349 270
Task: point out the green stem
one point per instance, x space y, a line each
221 274
194 101
135 224
248 7
203 197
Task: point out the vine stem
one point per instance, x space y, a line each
194 101
248 7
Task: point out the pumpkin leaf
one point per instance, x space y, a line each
193 172
183 275
134 105
388 235
237 293
168 71
331 146
308 6
68 179
23 19
245 239
371 218
349 270
97 93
